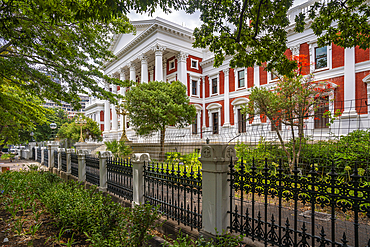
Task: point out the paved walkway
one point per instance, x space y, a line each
16 165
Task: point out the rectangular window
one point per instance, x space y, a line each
194 87
194 64
195 125
321 57
242 122
320 120
172 64
273 75
241 81
214 86
215 122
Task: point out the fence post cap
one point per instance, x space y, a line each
140 157
61 150
70 150
105 154
218 152
83 152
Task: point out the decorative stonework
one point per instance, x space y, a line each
230 153
83 152
70 151
105 154
226 72
182 56
61 150
295 50
143 59
140 157
132 65
207 152
158 49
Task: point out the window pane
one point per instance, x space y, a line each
214 85
195 125
241 122
241 76
320 120
321 57
194 87
215 122
193 64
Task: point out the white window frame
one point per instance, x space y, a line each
199 110
170 62
236 72
237 104
269 78
171 77
218 85
191 63
213 108
193 78
312 47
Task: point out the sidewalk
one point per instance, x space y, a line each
17 165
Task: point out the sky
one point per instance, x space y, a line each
180 17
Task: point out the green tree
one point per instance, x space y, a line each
71 131
155 105
19 113
43 42
118 148
291 102
255 31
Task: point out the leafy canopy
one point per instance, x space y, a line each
153 106
255 31
43 42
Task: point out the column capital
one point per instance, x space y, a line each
82 152
132 65
182 56
158 49
105 154
295 50
226 71
70 151
143 58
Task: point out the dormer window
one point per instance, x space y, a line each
194 64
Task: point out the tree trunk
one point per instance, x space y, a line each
161 154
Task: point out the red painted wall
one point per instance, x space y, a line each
338 56
361 92
305 50
110 114
118 88
188 76
250 77
339 93
288 53
263 76
231 80
221 102
101 115
206 87
361 55
102 127
201 88
168 66
188 64
222 82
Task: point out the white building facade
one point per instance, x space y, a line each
162 51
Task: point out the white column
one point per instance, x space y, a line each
165 69
151 71
226 99
106 113
204 103
181 67
114 113
215 161
158 49
257 119
132 71
144 68
349 83
122 92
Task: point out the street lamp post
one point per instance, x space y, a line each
53 126
80 122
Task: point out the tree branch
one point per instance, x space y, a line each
241 20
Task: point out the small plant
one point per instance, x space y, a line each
70 241
33 167
18 226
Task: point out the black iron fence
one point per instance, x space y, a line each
46 158
119 177
74 164
177 191
56 159
64 161
39 155
284 208
92 170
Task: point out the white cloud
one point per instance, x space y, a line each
178 17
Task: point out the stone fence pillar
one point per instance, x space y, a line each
82 164
52 146
215 161
69 166
103 158
42 156
138 161
60 151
